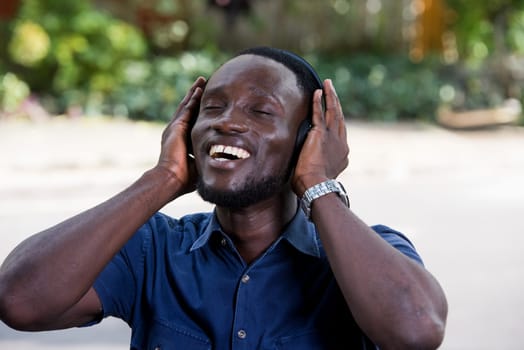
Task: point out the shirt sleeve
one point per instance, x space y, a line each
117 285
398 241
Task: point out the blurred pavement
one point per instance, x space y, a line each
459 196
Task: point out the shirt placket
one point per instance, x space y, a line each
243 332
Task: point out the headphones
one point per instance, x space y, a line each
307 123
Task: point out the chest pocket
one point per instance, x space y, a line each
162 336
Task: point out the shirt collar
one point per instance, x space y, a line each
212 226
300 233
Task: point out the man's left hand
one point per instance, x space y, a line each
325 152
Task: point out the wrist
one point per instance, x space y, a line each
306 182
321 189
167 180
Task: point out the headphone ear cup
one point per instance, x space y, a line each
303 129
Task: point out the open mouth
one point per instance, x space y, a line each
224 153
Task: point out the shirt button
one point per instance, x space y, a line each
242 334
223 242
245 278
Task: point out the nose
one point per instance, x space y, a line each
231 120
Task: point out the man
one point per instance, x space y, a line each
258 272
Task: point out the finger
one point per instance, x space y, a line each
342 131
200 82
340 115
185 110
189 105
333 107
194 99
335 116
318 115
189 110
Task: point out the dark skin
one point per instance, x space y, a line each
262 121
396 302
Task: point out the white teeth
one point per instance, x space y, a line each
216 149
230 150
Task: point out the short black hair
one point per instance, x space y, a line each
307 78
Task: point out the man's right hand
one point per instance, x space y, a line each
46 282
174 153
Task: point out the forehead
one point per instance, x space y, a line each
261 72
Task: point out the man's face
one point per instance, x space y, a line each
244 136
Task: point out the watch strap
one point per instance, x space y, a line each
321 189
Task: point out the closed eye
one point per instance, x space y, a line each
258 111
212 109
212 105
263 109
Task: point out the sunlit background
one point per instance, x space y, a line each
431 89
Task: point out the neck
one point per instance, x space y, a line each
253 229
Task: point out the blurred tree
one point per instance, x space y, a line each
490 36
170 26
64 47
164 23
430 27
482 27
232 9
333 26
8 9
88 55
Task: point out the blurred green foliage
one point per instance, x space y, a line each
75 56
387 88
151 90
71 48
29 44
490 42
488 27
13 92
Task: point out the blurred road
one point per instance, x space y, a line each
458 195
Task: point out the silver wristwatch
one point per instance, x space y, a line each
320 190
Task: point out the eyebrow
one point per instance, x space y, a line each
262 93
217 91
256 91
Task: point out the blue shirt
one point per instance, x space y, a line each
181 284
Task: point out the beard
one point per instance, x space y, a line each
249 193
